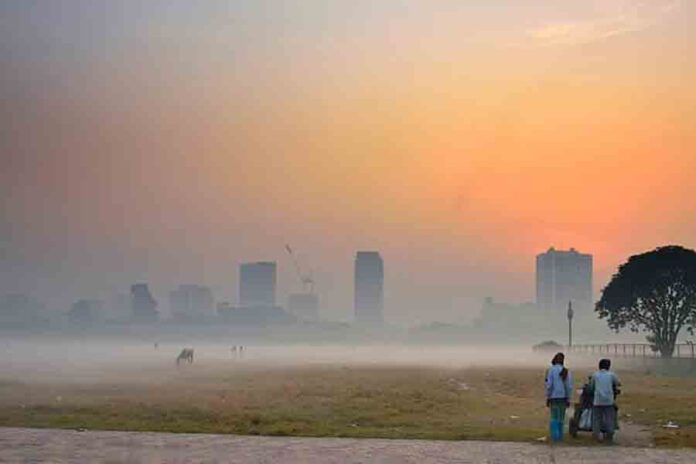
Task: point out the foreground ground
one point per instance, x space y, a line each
66 446
327 401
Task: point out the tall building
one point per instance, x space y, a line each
143 304
191 302
369 289
563 276
257 284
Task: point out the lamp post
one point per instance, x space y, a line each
570 324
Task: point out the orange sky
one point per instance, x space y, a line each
169 143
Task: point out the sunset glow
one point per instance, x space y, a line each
458 138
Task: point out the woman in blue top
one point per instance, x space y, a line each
558 387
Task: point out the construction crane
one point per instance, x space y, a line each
306 279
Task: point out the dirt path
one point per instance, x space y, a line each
634 435
67 446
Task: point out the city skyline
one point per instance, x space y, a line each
257 285
561 276
167 143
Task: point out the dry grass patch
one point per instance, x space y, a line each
389 402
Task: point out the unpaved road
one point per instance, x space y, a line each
68 446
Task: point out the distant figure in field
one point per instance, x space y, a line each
186 355
233 350
605 385
558 388
156 345
241 351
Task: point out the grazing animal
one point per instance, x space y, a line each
186 355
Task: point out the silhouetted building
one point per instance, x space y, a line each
223 307
563 276
304 305
369 289
257 284
506 319
191 302
143 304
86 313
256 316
19 311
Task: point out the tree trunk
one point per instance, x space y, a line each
666 349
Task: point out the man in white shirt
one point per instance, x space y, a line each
605 385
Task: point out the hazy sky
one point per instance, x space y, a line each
168 141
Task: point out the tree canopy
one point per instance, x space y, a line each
655 293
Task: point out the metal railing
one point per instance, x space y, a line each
644 350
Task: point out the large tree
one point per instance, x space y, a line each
655 293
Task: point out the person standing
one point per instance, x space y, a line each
558 387
605 385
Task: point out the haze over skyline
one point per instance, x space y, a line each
169 141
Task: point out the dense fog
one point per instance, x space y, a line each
118 360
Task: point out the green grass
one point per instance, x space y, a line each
495 404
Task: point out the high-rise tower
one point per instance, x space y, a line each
563 276
257 284
369 289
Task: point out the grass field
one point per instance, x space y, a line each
389 402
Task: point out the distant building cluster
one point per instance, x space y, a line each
304 305
191 302
86 313
194 303
19 311
562 277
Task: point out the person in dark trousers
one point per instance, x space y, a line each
558 387
605 385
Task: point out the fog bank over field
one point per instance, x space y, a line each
119 361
